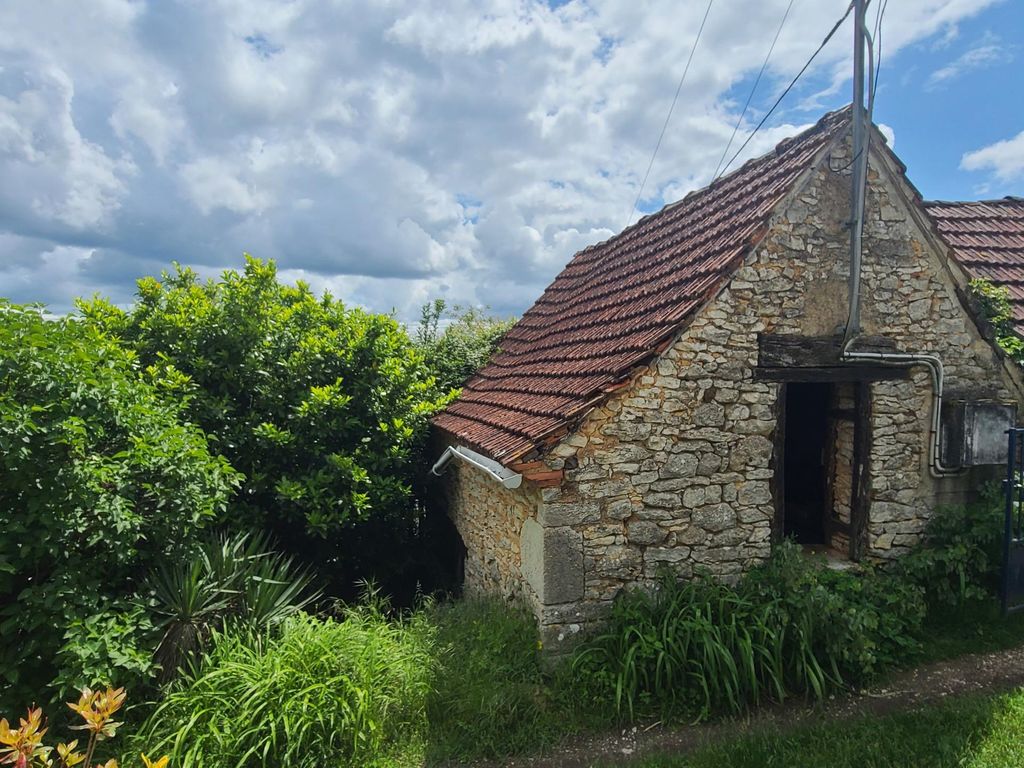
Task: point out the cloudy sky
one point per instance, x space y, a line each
397 151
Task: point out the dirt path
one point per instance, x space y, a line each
992 672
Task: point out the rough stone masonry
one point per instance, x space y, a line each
678 468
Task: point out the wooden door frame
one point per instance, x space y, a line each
778 482
856 530
861 502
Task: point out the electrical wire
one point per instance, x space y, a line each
874 64
789 87
750 95
668 117
878 45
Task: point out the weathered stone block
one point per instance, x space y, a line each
714 518
627 452
663 500
554 514
754 492
690 535
694 497
679 465
552 562
643 533
620 509
753 450
709 415
667 554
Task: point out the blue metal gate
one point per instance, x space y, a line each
1013 531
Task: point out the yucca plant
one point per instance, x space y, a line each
233 582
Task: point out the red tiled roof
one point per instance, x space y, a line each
987 240
616 302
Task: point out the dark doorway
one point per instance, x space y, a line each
806 462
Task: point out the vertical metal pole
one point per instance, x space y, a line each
1011 486
856 180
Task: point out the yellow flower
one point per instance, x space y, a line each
24 745
68 756
97 708
161 763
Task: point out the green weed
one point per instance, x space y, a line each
972 732
489 697
351 692
790 627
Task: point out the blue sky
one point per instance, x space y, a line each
393 152
937 122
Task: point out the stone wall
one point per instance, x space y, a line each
677 469
490 519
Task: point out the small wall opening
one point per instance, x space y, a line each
807 462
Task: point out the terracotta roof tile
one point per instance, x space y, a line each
614 303
987 239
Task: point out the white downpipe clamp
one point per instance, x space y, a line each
497 472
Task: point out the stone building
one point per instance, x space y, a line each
680 395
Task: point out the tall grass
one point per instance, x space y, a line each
790 627
350 692
489 696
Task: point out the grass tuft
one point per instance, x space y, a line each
699 647
971 732
489 697
351 692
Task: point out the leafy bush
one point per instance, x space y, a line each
457 350
116 641
100 477
960 558
489 697
351 692
861 621
791 626
233 583
322 407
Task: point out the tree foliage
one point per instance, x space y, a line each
320 406
100 476
457 349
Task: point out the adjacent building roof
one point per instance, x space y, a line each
987 240
616 304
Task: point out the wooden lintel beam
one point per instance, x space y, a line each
789 351
852 372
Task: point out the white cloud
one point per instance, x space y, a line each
889 134
214 182
1004 158
987 52
47 273
389 151
154 118
50 171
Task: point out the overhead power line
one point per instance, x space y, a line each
750 95
789 87
668 117
877 36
